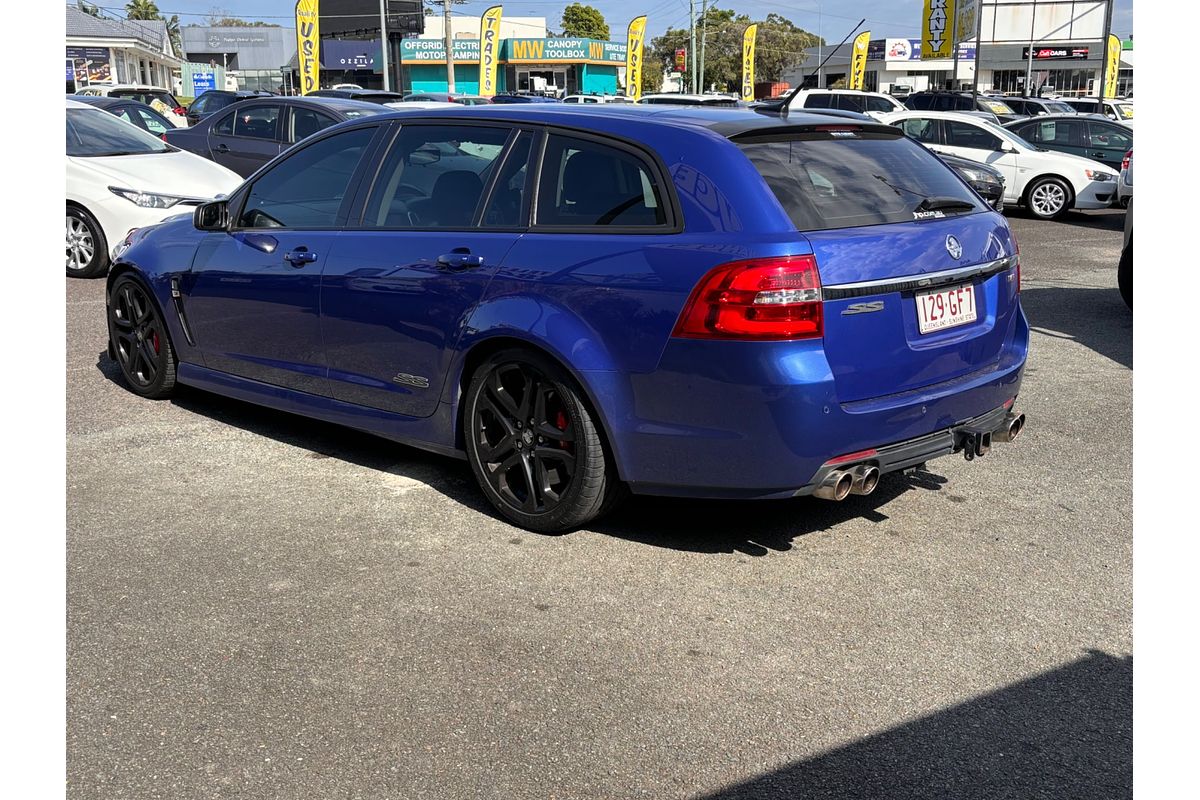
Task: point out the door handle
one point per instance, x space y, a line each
299 257
459 260
222 148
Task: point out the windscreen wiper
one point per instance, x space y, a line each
944 204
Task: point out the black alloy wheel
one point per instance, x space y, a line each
533 446
139 340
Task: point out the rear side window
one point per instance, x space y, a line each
307 190
871 103
585 184
306 122
921 129
964 134
819 101
1064 133
824 182
921 102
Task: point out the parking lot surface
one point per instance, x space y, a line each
264 606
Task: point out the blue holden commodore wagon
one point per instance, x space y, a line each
663 300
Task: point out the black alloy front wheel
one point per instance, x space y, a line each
534 446
139 340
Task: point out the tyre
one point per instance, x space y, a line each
1048 198
138 339
534 446
1125 275
87 249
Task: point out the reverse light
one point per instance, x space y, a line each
770 299
146 199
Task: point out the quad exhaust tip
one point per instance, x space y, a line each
866 478
1010 429
836 486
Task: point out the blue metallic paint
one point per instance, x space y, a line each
683 417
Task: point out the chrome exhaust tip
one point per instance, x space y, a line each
1010 429
836 486
866 478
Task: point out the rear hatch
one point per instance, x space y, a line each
918 275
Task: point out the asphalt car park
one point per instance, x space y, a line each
261 605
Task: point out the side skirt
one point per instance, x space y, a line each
432 433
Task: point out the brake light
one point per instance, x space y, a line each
775 298
856 456
180 112
162 136
1125 160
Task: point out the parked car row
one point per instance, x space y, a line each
673 301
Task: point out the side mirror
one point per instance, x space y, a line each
212 216
1006 147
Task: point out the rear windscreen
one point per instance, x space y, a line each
844 179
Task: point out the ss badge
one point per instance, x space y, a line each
863 308
418 381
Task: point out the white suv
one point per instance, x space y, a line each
874 104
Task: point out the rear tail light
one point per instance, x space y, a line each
1125 160
758 299
1017 253
162 136
180 112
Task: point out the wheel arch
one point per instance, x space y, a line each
472 356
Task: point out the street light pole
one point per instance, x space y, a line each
449 51
383 43
692 49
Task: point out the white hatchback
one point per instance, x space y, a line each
119 177
1048 183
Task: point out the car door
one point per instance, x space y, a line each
1107 143
1064 135
252 296
247 136
976 142
432 232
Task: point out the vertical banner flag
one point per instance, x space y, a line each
308 44
748 42
858 61
636 36
936 33
489 50
1112 66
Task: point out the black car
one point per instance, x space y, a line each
961 101
253 132
214 100
986 180
365 95
1089 135
513 97
139 114
1034 106
446 97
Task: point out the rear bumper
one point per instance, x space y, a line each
745 420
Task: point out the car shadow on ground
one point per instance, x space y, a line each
703 526
1108 219
1066 733
1095 318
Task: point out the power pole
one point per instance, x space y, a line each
978 51
703 40
692 49
383 43
449 51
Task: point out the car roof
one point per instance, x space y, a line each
141 87
76 104
1044 117
974 116
727 122
109 102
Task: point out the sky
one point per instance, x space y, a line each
831 18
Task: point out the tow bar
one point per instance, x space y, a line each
974 441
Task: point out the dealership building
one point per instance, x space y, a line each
1024 46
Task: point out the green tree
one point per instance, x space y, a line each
173 33
584 22
142 9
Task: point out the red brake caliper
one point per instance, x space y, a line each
560 422
154 340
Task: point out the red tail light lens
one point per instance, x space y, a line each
162 136
180 112
764 299
1125 160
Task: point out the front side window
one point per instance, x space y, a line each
224 126
434 175
872 103
1063 133
307 190
824 182
964 134
1108 136
256 122
585 183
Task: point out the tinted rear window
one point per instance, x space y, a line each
833 180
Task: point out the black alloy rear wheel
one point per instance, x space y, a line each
533 445
138 339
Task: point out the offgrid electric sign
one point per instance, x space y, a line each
936 36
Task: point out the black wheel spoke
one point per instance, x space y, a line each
501 396
529 388
148 360
499 413
533 493
563 458
493 453
550 431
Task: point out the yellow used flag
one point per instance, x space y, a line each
858 61
636 37
937 29
489 50
748 42
1112 66
308 44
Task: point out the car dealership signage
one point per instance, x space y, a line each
1056 53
